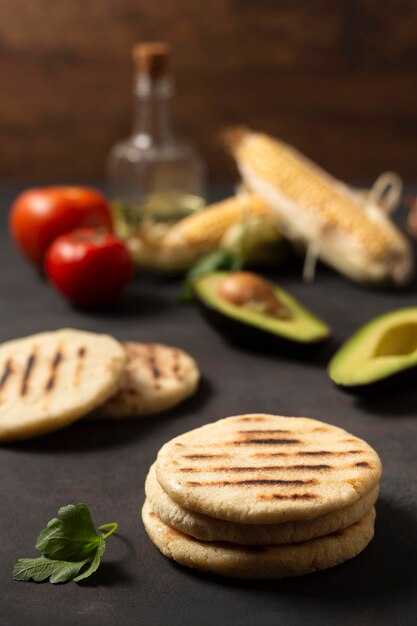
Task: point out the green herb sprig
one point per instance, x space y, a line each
70 546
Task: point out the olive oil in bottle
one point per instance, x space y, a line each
155 177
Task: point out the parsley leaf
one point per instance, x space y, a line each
217 260
70 535
42 568
70 546
95 562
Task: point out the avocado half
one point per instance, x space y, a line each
379 356
300 334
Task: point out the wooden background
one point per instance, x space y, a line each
335 77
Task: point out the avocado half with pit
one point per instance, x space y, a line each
379 356
297 333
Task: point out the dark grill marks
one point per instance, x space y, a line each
8 369
264 432
153 365
176 367
259 418
266 468
152 362
310 467
81 352
255 481
205 456
362 464
268 455
58 358
30 363
270 441
328 453
293 496
316 453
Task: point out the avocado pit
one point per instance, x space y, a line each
246 289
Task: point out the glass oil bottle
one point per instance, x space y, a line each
155 177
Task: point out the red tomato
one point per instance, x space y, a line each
38 216
90 267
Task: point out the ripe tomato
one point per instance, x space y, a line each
90 267
38 216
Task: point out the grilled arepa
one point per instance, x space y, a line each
345 228
210 529
157 378
266 469
50 380
229 559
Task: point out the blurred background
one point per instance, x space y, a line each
337 79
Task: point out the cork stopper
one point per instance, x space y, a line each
152 59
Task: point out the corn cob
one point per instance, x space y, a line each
202 232
350 233
177 247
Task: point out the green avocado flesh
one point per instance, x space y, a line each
302 326
382 348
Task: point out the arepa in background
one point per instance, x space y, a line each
157 378
52 379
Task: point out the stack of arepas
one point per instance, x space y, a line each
262 496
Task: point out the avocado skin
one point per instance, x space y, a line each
254 338
394 382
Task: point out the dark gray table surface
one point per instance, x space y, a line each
104 465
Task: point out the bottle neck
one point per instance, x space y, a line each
152 124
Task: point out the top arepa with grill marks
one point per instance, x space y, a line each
260 468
